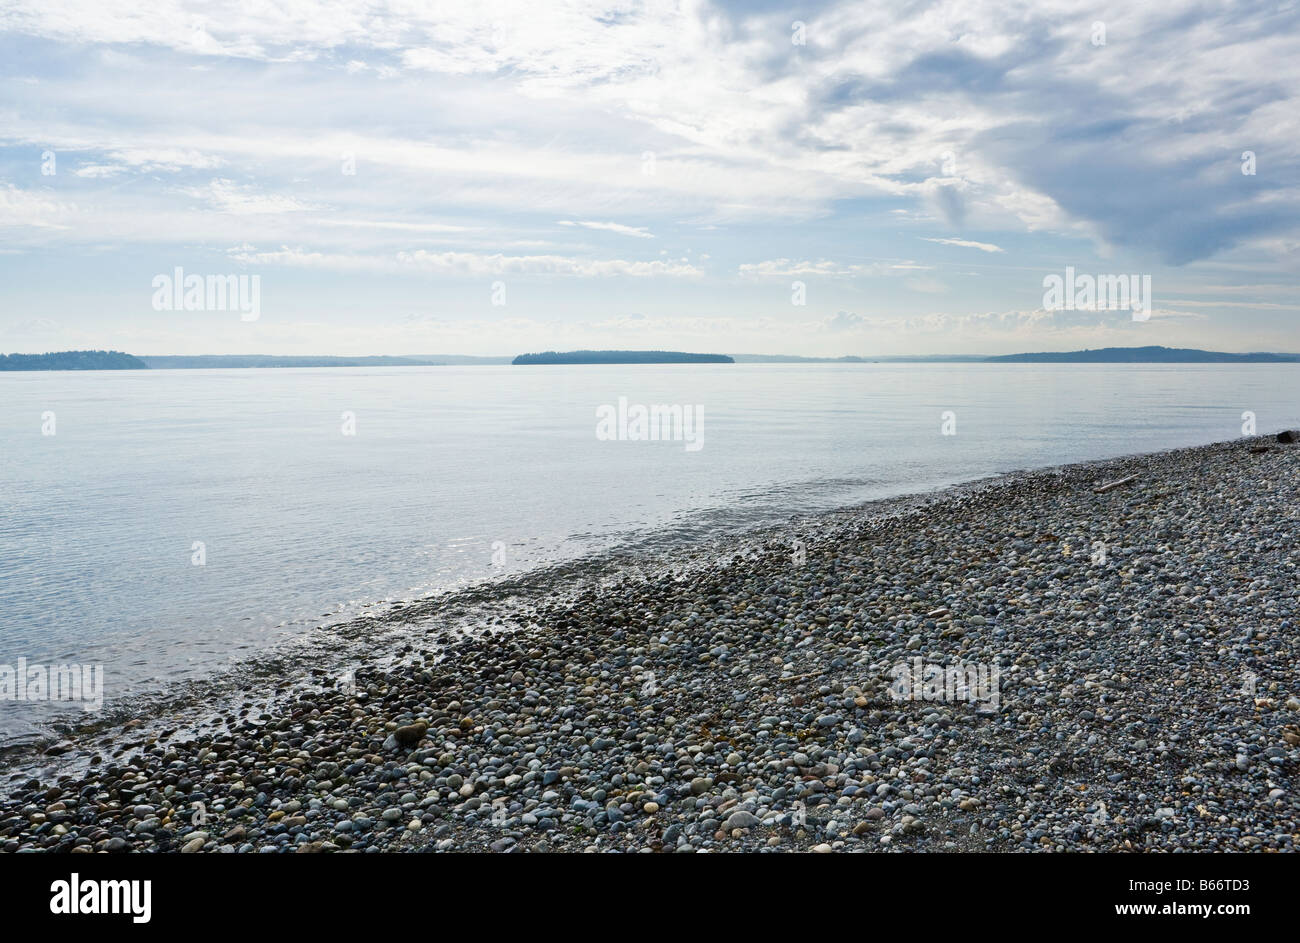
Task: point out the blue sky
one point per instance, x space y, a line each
647 175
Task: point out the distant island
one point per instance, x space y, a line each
1144 355
73 360
618 356
116 360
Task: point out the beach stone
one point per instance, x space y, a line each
741 819
411 734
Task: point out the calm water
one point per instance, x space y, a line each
302 524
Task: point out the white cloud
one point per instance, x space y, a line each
27 208
965 243
396 225
790 268
165 159
99 170
229 197
638 231
467 264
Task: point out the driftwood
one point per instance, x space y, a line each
1111 486
811 674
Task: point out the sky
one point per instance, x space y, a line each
499 177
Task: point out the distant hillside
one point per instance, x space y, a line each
213 361
619 356
1143 355
73 360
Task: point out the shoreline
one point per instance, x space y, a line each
771 686
351 640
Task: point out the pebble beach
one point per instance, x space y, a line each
1129 628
